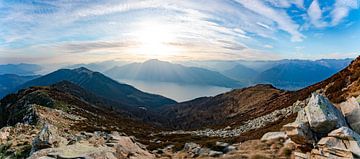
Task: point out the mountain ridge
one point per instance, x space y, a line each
102 86
162 71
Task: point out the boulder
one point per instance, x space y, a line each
350 138
322 115
274 136
299 131
331 147
351 111
48 137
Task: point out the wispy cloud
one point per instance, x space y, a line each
196 29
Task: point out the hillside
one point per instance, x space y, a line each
9 82
250 104
160 71
102 86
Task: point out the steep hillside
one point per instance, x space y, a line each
240 106
9 82
102 86
97 115
160 71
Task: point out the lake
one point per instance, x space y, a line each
175 91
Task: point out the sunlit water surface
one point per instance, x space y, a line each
178 92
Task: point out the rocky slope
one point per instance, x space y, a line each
50 121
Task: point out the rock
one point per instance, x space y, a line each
350 138
299 131
322 115
274 136
331 147
221 144
299 155
48 137
351 111
126 145
4 133
229 148
215 153
189 146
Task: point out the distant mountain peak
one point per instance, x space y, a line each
83 70
156 61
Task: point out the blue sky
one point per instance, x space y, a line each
51 31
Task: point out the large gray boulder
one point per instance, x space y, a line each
351 111
299 131
322 115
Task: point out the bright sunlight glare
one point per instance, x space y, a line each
155 40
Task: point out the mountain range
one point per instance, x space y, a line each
22 69
80 101
161 71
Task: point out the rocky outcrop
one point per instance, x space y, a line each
322 115
340 143
47 138
323 128
351 111
299 131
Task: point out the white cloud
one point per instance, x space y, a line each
268 46
283 21
315 14
342 9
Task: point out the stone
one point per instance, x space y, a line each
299 131
274 136
215 153
48 137
322 115
299 155
229 148
221 144
4 133
351 110
350 138
189 146
331 147
127 145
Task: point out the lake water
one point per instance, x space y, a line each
178 92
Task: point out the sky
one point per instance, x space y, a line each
80 31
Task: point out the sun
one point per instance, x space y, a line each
155 40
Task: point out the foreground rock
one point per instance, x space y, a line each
322 115
351 111
323 130
299 131
340 143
